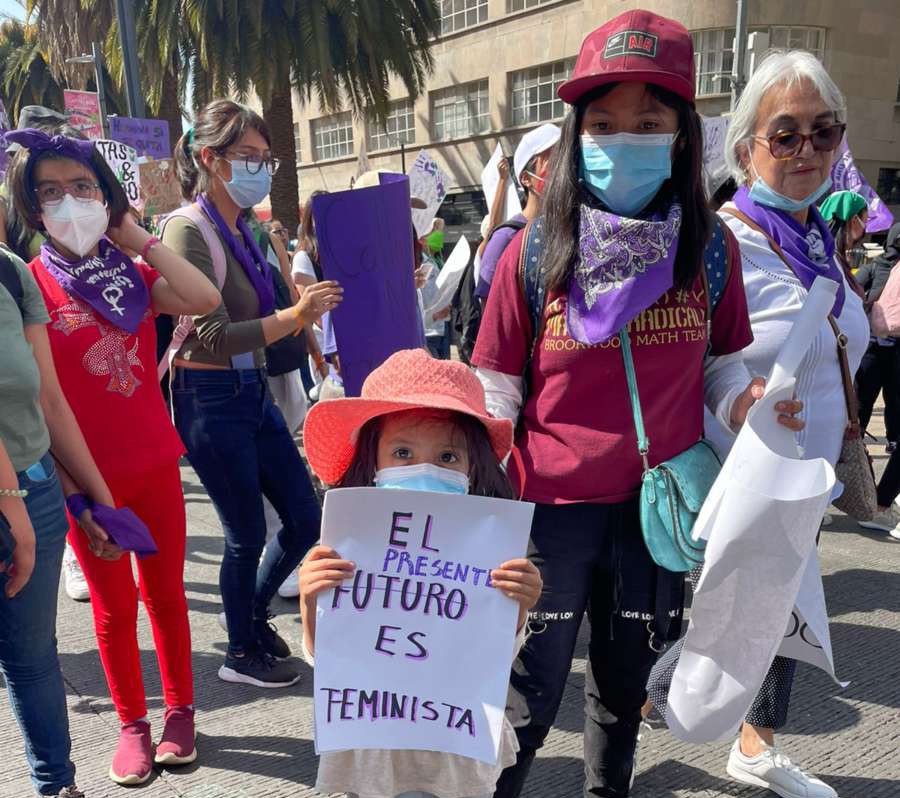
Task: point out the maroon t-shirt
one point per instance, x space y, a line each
578 440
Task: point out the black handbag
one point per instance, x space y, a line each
7 541
289 353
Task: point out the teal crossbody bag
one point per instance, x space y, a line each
673 492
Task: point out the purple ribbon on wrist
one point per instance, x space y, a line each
78 503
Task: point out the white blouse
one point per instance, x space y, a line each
774 299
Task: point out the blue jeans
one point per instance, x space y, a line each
28 658
240 447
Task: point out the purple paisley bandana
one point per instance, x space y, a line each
109 282
624 266
246 252
809 250
37 142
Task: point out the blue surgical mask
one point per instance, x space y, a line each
424 476
626 170
763 194
247 189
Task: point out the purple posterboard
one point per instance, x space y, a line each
365 240
147 136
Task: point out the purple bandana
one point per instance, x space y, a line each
247 253
109 282
624 265
37 142
809 250
125 529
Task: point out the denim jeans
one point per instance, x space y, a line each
28 658
239 445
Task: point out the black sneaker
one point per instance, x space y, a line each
258 669
269 640
70 792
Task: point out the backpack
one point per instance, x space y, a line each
713 276
185 324
11 281
466 308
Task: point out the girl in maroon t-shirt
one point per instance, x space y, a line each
624 233
103 339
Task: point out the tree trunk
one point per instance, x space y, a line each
279 116
170 107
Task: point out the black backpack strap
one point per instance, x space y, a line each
10 280
532 283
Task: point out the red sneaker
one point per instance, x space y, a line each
177 744
133 762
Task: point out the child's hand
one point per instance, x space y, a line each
323 569
521 581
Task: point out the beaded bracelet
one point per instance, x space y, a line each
9 493
151 242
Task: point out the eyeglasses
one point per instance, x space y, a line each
787 144
53 194
254 163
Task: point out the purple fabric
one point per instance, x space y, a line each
109 282
366 244
125 529
845 175
37 141
494 250
247 253
624 265
809 250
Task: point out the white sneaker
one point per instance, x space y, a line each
887 520
290 588
76 584
827 519
774 771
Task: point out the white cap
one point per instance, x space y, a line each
534 142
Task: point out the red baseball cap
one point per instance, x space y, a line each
636 46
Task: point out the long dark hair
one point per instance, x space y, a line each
308 242
219 125
565 193
486 477
840 229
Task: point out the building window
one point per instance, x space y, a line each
460 111
889 186
794 38
713 59
400 126
460 14
297 141
332 137
521 5
533 92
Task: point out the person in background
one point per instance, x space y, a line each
880 367
26 244
531 163
101 306
277 229
236 439
35 417
437 328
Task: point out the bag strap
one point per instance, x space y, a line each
850 398
630 376
531 281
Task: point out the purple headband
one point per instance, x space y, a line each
38 142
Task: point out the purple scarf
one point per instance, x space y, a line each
247 253
624 265
109 282
809 250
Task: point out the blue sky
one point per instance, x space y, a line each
11 8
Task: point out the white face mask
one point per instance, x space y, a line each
77 225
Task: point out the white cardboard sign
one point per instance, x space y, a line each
428 183
123 160
448 280
490 180
414 651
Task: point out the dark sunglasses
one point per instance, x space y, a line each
786 144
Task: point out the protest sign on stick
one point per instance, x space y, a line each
398 644
122 159
379 313
429 184
146 136
490 180
83 108
160 187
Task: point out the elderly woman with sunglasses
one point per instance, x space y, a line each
780 148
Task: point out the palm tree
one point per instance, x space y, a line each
25 75
340 51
